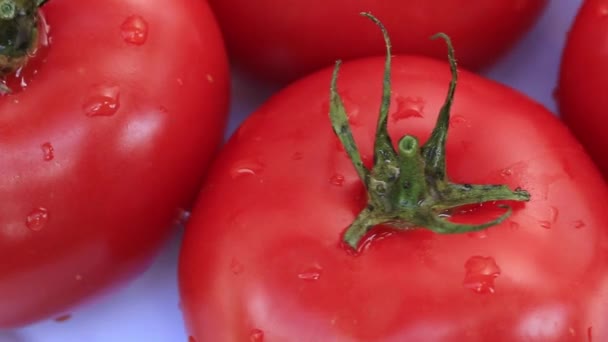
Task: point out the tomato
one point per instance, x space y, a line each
268 253
105 135
284 40
583 80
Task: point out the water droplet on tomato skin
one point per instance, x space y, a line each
337 179
37 219
545 224
578 224
256 335
457 120
48 152
134 30
408 107
481 273
507 172
102 101
246 168
312 273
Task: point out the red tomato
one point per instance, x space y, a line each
584 80
120 115
283 40
262 258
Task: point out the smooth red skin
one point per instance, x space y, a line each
116 182
284 40
584 79
251 235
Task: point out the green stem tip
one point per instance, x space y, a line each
18 32
409 187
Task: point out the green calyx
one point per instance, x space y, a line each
408 187
18 32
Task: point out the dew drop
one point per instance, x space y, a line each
507 172
554 214
48 152
337 179
456 120
134 30
37 219
545 224
578 224
236 267
480 274
481 234
63 318
408 107
256 335
246 168
311 273
102 101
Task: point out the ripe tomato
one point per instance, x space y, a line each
106 134
581 94
283 40
262 257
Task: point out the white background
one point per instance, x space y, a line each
147 309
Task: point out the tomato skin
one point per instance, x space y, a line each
282 41
583 80
89 200
261 253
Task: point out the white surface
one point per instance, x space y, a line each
147 309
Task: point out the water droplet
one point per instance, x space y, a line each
456 120
48 152
507 172
297 156
180 82
236 267
578 224
311 273
37 219
78 277
554 214
337 179
256 335
545 224
210 78
102 101
481 234
408 107
63 318
246 167
480 274
134 30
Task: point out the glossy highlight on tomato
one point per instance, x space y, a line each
284 40
106 134
263 253
583 80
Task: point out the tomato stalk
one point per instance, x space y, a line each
18 33
409 187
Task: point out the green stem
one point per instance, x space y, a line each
18 32
409 187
